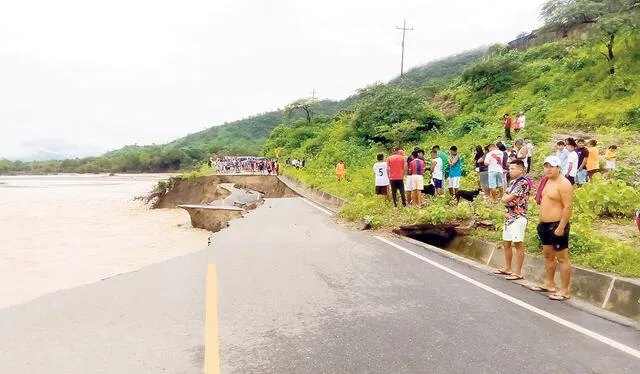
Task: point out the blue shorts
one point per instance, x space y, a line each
495 179
437 183
581 177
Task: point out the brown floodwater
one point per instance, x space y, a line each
62 231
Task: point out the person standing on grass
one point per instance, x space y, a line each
522 120
381 172
445 161
408 189
507 126
455 170
572 162
515 199
397 169
418 168
523 152
493 160
556 203
583 154
593 161
529 145
505 166
483 169
436 172
516 125
610 156
341 170
562 153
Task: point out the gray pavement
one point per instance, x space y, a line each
298 293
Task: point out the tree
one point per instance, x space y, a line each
304 104
399 133
612 18
493 75
387 105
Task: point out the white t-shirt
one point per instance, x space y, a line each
494 160
382 177
437 170
572 159
530 148
521 119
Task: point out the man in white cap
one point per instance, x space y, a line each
555 210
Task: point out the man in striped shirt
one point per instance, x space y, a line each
417 168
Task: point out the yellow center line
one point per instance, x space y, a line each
211 343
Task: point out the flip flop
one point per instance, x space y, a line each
559 297
513 277
541 289
502 272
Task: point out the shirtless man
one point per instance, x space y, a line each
555 211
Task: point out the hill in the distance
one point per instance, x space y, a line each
245 136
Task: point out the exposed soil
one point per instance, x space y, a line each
204 190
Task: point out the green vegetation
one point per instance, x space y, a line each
585 81
564 87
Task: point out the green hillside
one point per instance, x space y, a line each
587 87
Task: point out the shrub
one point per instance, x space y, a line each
606 198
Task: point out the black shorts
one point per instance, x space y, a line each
547 236
571 179
382 190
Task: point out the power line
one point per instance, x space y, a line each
404 30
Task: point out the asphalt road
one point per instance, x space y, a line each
298 293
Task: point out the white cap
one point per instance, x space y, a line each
552 160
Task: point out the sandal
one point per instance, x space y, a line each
559 297
502 272
513 277
541 289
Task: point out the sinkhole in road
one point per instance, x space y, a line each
437 235
212 201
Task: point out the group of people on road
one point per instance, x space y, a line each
244 164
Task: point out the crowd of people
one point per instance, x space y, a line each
504 175
244 164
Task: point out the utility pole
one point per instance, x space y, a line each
313 100
404 30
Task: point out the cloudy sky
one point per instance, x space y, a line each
80 77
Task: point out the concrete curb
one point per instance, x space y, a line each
314 194
618 295
605 291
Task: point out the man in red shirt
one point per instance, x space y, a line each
397 168
507 126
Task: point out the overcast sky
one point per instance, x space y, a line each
81 77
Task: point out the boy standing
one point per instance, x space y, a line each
417 168
455 170
494 162
436 172
572 162
381 172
